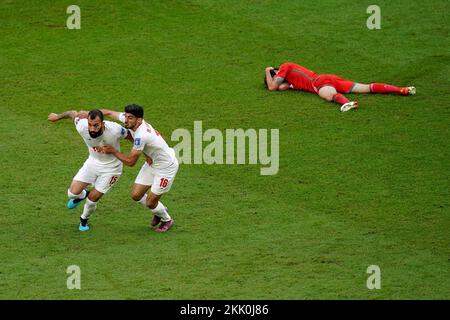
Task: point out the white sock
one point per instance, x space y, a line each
161 212
89 208
143 200
82 195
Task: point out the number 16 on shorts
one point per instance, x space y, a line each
163 183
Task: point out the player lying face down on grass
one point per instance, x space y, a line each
291 76
158 171
100 170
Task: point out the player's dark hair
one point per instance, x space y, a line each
272 74
95 114
135 110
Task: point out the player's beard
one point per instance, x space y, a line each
95 134
129 126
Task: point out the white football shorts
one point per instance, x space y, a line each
100 176
160 179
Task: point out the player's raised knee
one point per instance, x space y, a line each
327 93
136 196
95 195
152 203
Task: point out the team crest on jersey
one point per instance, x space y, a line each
137 141
123 131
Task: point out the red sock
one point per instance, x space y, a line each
385 88
339 98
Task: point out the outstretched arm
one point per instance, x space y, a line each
112 114
53 117
129 160
274 83
284 86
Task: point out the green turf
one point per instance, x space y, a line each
354 189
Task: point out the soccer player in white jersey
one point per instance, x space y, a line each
159 169
100 170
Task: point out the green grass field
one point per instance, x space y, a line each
369 187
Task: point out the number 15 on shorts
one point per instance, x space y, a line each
113 180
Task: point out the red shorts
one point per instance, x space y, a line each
332 80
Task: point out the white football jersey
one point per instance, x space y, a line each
111 135
149 141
